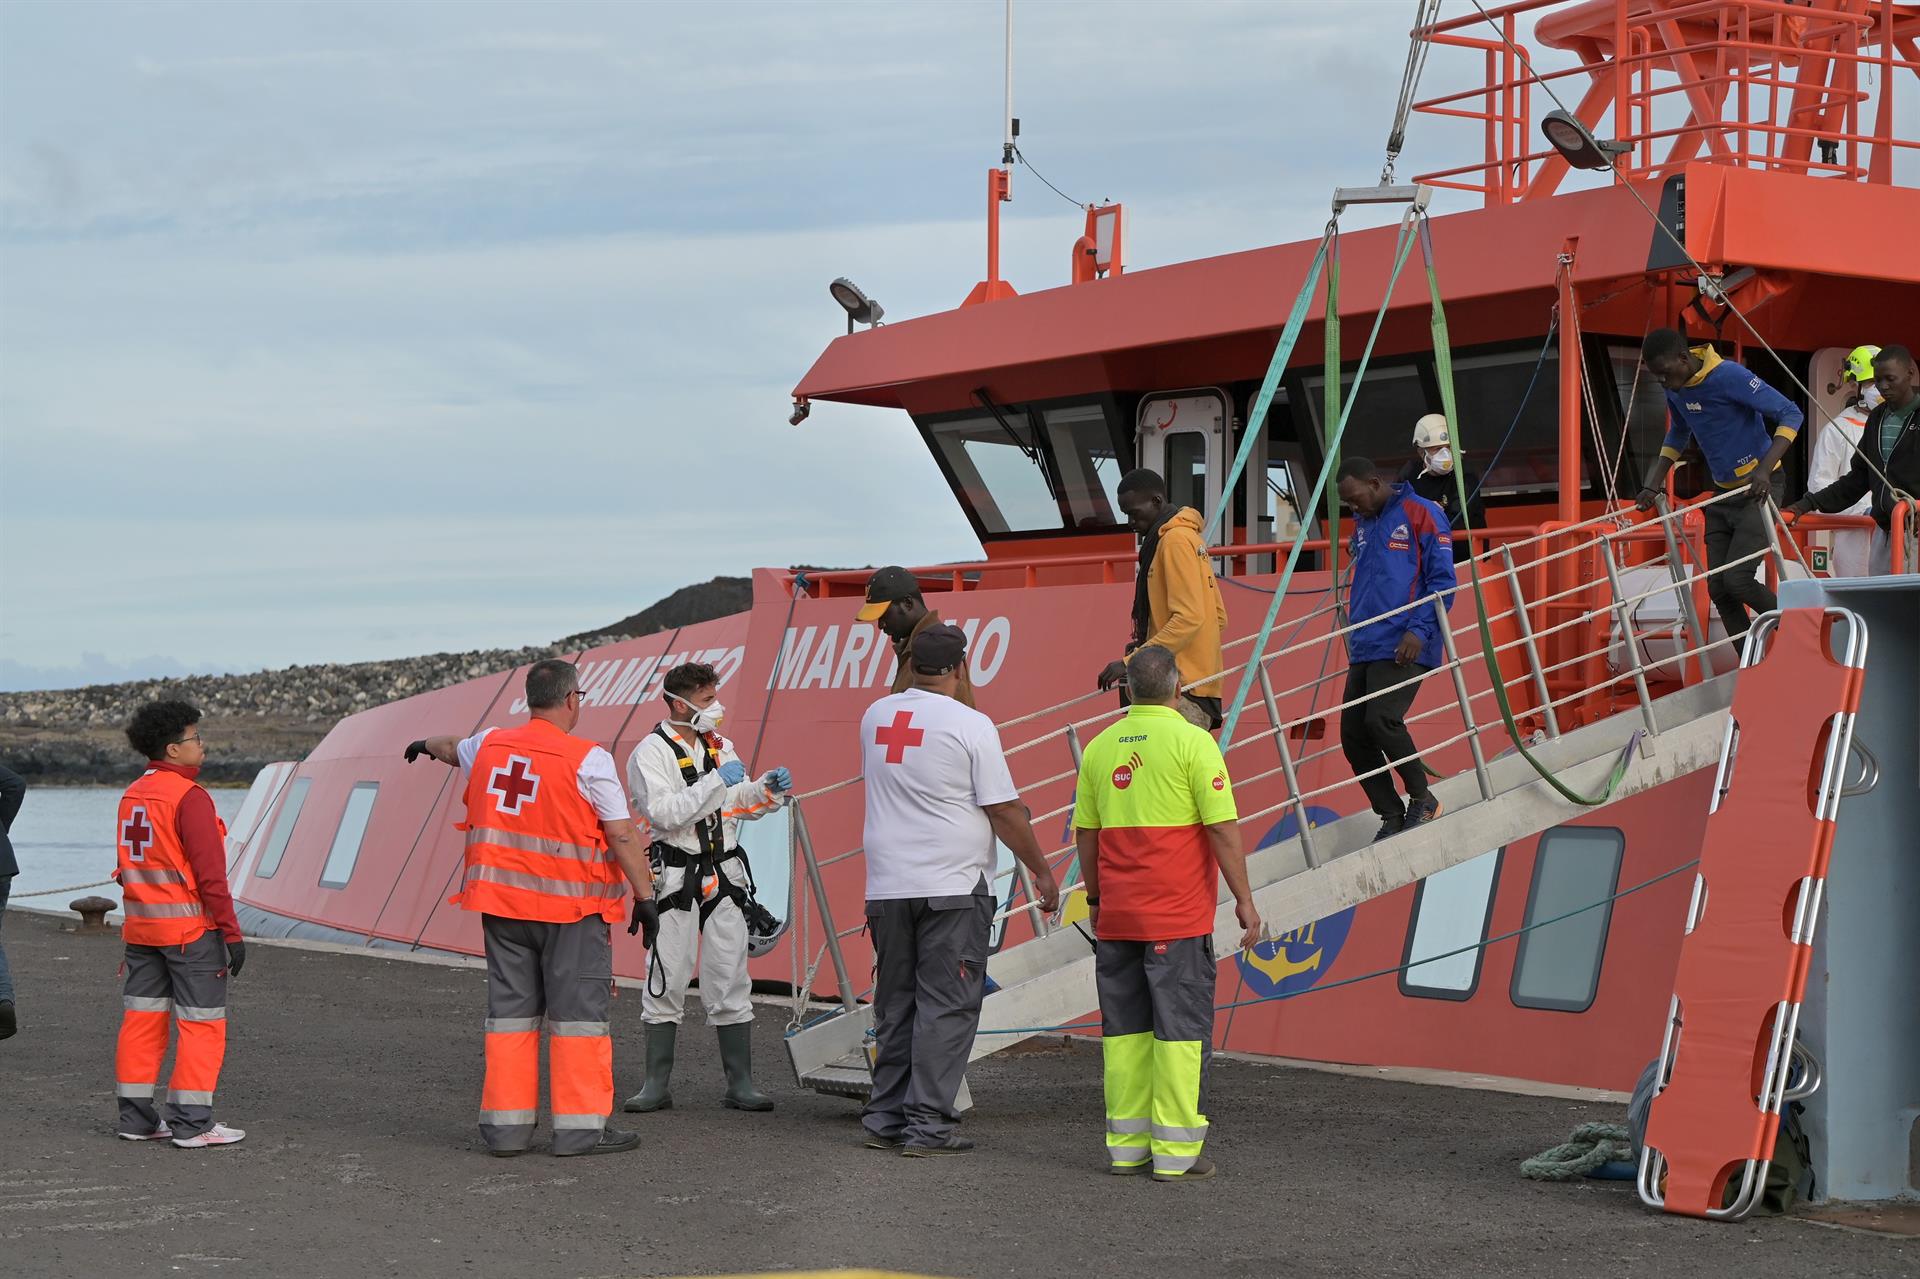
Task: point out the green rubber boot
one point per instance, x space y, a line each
736 1055
653 1095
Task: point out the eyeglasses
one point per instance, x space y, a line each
195 738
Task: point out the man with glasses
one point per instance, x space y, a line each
183 940
549 838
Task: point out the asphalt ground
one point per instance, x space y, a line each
357 1079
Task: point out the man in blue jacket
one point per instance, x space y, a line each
1729 412
1401 552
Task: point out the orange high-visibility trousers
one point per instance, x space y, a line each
187 984
562 975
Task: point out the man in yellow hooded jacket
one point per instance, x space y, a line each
1176 599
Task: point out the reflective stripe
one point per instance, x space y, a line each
187 1012
1127 1154
1127 1125
162 910
508 1118
153 877
511 1025
145 1004
1167 1132
579 1027
133 1090
1173 1163
563 1122
537 883
190 1097
534 844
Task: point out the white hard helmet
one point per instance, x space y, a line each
1430 432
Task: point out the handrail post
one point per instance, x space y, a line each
1624 620
1466 705
1677 571
1527 645
1307 850
848 1000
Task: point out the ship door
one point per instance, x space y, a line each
1183 436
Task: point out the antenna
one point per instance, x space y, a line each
1010 126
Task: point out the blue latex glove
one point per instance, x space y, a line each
733 772
778 779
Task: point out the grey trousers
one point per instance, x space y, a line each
1735 528
562 975
186 985
930 968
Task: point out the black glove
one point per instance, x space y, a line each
236 957
416 749
645 921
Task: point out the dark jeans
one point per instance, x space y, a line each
1737 527
6 974
930 967
1376 731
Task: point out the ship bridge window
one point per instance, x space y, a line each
346 840
1494 403
1558 964
283 828
1032 469
1380 426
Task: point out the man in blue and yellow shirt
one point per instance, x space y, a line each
1729 411
1155 817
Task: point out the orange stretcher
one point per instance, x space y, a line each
1729 1044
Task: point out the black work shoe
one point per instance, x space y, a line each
875 1141
9 1024
612 1142
1422 810
1201 1170
1389 827
951 1146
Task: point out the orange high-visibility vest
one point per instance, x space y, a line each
535 849
162 899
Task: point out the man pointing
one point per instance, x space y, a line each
548 839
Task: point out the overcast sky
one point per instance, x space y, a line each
338 331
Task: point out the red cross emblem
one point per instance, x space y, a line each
514 785
898 736
136 835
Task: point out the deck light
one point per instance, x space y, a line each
860 308
1576 143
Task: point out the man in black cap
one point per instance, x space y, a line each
938 793
895 606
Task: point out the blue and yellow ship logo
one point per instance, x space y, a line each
1296 960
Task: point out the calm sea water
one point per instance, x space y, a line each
64 835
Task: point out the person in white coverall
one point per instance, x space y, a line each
1833 451
690 787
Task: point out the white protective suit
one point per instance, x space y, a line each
1832 458
671 808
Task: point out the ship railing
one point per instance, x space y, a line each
1723 63
1595 647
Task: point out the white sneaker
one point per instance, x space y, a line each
162 1133
218 1135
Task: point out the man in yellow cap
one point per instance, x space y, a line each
894 604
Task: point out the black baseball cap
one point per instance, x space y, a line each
884 587
939 649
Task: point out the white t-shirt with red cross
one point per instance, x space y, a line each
930 766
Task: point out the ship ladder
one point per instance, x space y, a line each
1727 1055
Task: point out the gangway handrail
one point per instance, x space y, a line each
1615 608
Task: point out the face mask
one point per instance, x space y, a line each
705 719
1440 462
1870 396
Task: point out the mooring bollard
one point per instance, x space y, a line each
93 913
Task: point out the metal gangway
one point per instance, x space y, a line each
1593 711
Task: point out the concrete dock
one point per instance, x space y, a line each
357 1078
